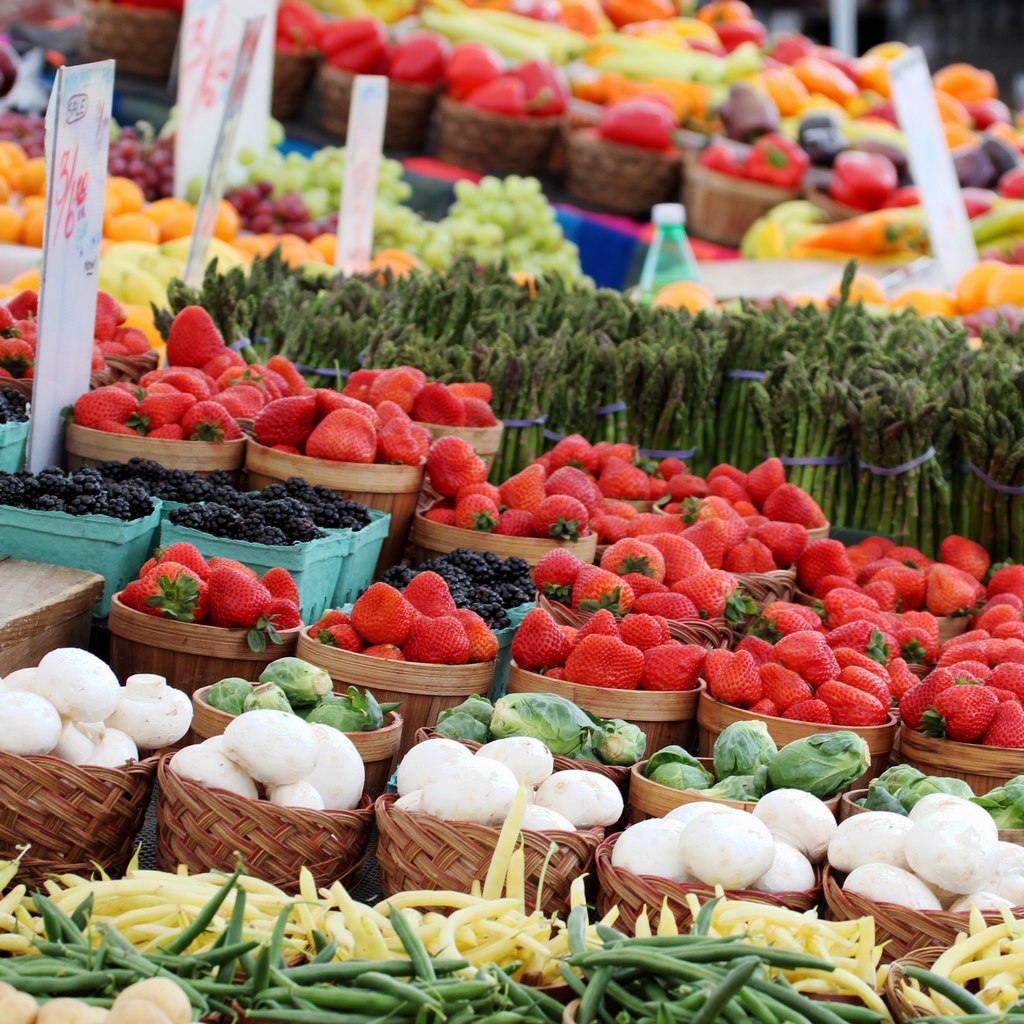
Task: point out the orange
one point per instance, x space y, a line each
951 110
788 92
131 196
131 227
863 289
12 155
228 222
327 245
966 82
163 208
1007 288
31 179
32 229
255 245
398 261
926 300
27 280
142 317
5 189
10 225
29 203
177 225
688 295
957 135
971 288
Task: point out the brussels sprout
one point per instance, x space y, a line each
823 764
880 799
618 742
476 706
748 788
586 753
302 683
909 794
1005 803
678 769
267 697
229 695
354 712
553 720
462 726
898 776
742 748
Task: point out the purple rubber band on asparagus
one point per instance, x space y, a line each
658 453
811 460
538 422
610 410
324 371
906 467
989 482
745 375
551 435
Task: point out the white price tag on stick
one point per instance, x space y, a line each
77 143
216 178
949 228
364 144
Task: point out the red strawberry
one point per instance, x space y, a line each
865 637
674 607
961 712
1008 676
686 485
737 681
605 661
444 516
16 356
436 404
210 421
1009 630
219 363
647 524
333 617
539 644
708 536
161 410
642 584
342 636
193 339
286 421
809 655
401 385
786 541
515 522
561 517
901 679
715 593
24 305
783 687
575 483
476 512
670 467
171 591
359 382
478 413
634 556
574 450
725 487
966 555
238 601
760 650
814 711
524 490
452 463
950 590
555 574
822 558
918 699
343 436
1007 580
601 623
781 618
765 479
109 316
791 504
644 631
388 411
837 603
597 588
621 479
765 707
402 442
286 369
911 585
993 615
428 593
284 614
751 556
884 593
478 389
975 671
484 488
672 666
104 404
847 657
715 661
682 558
869 682
188 555
278 581
483 644
437 641
724 469
387 652
382 615
829 583
1006 728
850 706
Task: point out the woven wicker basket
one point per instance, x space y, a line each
207 829
74 817
624 179
408 116
832 209
293 75
479 141
419 851
765 587
902 1008
141 39
632 893
982 768
118 368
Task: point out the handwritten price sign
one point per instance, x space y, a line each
209 60
77 140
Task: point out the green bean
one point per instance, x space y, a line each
576 928
720 996
56 923
958 996
577 985
325 953
402 991
188 935
81 914
412 944
651 963
339 999
232 936
592 1000
854 1013
224 955
702 921
284 1015
74 984
336 972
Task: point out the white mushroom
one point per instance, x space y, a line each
297 794
273 747
154 714
82 687
31 724
114 749
338 774
206 765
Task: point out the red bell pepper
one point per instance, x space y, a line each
863 180
1011 184
734 33
644 123
359 45
504 95
790 47
776 160
470 66
908 195
547 89
298 26
725 157
419 58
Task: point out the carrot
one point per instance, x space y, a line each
882 232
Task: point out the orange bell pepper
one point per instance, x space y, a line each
873 74
788 92
625 12
951 110
957 135
724 10
826 79
966 83
586 18
689 99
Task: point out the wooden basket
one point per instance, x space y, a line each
982 768
485 441
429 539
665 717
713 717
832 208
408 115
187 655
293 75
902 1008
207 829
141 39
649 799
623 179
819 533
721 207
118 368
480 141
632 893
951 626
75 818
419 851
765 587
424 690
378 749
88 447
391 489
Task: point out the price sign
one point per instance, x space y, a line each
211 31
216 179
365 141
949 229
77 141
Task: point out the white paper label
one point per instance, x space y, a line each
363 146
77 143
216 179
949 228
210 34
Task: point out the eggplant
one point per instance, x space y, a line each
1001 153
748 113
821 138
975 168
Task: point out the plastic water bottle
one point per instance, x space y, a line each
669 258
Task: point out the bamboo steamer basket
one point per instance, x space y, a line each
982 768
391 489
141 39
423 690
903 1009
485 441
713 717
721 207
293 75
632 893
378 748
832 208
430 539
88 447
664 717
187 655
649 799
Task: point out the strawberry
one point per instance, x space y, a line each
918 699
634 556
682 558
883 593
901 679
286 421
670 467
170 432
446 516
814 711
725 487
672 666
610 528
515 522
737 681
847 657
783 687
760 650
917 645
388 411
948 593
911 585
193 339
822 558
342 636
837 603
790 504
1008 676
483 644
647 524
277 580
869 682
216 562
287 370
686 485
575 483
966 555
171 591
382 615
476 512
333 617
524 490
555 574
764 479
219 363
644 631
104 404
709 538
161 410
621 479
715 661
596 588
436 404
781 618
601 623
428 593
238 601
486 489
1008 630
480 390
16 356
849 706
993 615
401 385
959 649
976 671
865 637
110 315
284 614
574 450
751 556
437 641
402 442
387 652
188 555
1006 728
24 305
561 518
343 436
131 596
358 384
674 607
478 413
210 421
724 469
605 661
1008 579
538 643
716 594
829 583
642 584
452 463
961 712
786 541
809 655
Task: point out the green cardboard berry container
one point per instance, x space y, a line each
13 438
364 547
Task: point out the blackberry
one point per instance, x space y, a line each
48 503
88 505
487 604
13 407
219 478
398 576
260 533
